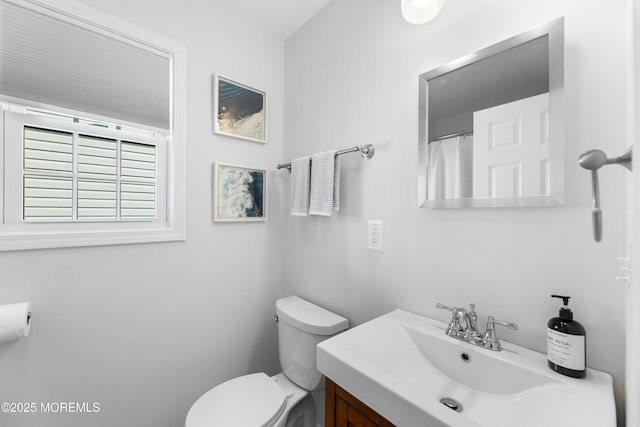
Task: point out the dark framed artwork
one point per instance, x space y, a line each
239 110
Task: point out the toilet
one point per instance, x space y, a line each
286 399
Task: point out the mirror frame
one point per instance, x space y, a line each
555 32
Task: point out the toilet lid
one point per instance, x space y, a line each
253 400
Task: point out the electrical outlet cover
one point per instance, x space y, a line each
375 235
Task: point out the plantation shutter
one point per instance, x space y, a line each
46 58
97 158
48 164
138 170
113 179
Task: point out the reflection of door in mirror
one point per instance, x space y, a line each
511 153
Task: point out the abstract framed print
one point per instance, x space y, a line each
239 193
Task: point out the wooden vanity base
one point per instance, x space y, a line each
344 410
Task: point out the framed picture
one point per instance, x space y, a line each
239 110
239 193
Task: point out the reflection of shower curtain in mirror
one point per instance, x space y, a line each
450 168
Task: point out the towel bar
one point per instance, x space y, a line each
367 152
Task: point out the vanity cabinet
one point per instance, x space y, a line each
343 410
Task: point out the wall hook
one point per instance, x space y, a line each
593 160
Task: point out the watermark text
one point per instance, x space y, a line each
50 407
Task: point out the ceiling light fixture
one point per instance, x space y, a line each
420 11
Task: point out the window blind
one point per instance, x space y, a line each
114 179
46 58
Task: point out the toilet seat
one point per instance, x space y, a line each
253 400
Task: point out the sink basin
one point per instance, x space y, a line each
404 366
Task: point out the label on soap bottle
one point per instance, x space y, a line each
566 350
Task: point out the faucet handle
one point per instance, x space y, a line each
490 338
509 325
444 307
459 319
490 333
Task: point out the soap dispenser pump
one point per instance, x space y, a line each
566 343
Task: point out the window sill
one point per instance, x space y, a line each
13 241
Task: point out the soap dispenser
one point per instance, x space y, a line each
566 343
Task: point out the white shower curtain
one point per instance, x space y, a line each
450 168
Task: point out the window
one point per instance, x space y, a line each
73 172
93 133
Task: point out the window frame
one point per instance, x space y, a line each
35 235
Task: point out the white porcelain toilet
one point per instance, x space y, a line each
284 400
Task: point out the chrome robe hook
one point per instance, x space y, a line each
593 160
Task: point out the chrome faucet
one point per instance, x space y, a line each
464 327
462 323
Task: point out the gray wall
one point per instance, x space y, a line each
352 78
147 339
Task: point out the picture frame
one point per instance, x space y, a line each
239 111
239 193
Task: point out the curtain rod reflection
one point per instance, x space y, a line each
452 135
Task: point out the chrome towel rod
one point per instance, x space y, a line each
366 150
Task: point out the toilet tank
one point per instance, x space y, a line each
301 326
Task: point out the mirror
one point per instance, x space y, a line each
492 125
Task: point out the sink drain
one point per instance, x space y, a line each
451 404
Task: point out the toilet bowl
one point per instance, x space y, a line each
253 400
283 400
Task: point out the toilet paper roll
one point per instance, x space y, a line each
15 321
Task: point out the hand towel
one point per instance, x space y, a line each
336 184
323 183
300 186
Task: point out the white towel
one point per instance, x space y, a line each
325 183
336 184
300 186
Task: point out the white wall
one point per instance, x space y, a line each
146 339
351 77
632 390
